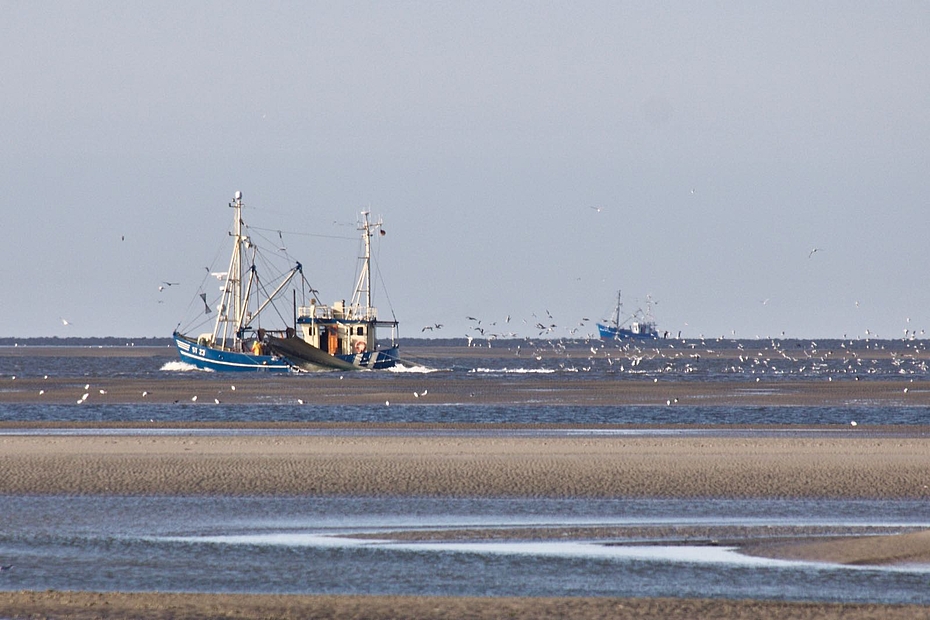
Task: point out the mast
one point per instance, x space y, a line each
363 286
617 311
232 292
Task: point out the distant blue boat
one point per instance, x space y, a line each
338 337
638 326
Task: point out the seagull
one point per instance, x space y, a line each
596 209
812 252
6 567
170 283
65 321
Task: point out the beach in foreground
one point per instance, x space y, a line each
156 606
887 464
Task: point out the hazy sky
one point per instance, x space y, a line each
722 142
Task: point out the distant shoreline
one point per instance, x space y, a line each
167 341
485 343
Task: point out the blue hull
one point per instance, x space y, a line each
208 358
375 360
613 333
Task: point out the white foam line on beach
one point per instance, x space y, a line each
560 549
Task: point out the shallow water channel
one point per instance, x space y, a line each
352 545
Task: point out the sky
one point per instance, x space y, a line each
528 159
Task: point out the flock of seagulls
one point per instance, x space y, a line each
545 326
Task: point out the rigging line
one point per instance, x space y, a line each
384 286
302 234
267 242
261 286
198 320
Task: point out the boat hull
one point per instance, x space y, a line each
209 358
307 357
608 332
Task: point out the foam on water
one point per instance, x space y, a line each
515 371
400 368
179 366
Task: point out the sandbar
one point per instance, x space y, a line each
889 465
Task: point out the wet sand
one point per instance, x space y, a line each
397 463
440 388
158 606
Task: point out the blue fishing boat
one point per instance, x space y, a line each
639 326
319 337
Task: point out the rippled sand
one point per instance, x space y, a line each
894 466
154 606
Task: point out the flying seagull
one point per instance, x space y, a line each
65 321
812 252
